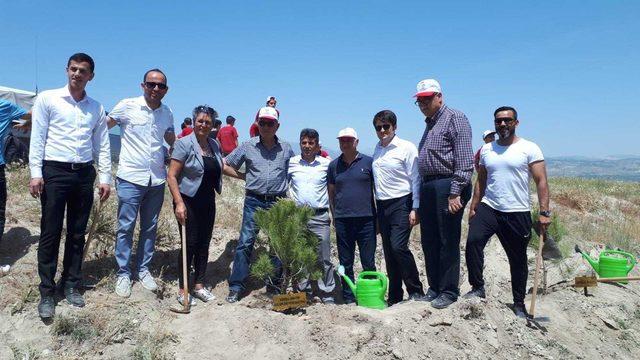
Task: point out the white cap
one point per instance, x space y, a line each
271 98
487 133
268 113
428 87
348 132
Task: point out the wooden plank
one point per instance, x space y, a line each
618 279
289 301
586 281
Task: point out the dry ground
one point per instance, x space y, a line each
606 324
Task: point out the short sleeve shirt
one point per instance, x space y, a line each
8 112
266 168
508 174
353 187
227 137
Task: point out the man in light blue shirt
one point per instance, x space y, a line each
307 175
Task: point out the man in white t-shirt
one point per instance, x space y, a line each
501 204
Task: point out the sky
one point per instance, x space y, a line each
570 68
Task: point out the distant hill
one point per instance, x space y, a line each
612 167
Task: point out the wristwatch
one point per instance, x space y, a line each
545 213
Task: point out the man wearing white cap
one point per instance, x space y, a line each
350 179
488 136
266 159
445 162
271 102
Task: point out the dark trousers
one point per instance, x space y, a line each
3 199
201 214
440 235
72 189
393 219
349 232
514 232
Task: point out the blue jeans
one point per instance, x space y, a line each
248 233
349 232
147 200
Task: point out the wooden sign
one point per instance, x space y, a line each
586 281
289 301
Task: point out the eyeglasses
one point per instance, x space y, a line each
267 123
383 126
425 100
152 85
507 121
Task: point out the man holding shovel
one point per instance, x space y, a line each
501 205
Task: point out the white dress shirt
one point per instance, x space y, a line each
395 171
69 131
142 135
308 182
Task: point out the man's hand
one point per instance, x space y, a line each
472 213
454 204
104 190
25 126
181 213
544 221
414 218
36 186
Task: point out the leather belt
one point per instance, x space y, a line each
66 165
435 177
265 197
320 211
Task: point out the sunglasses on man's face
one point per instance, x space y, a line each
152 85
507 121
383 126
267 123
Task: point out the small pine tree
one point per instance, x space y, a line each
288 239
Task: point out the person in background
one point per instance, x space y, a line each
195 175
397 191
186 127
62 176
9 112
266 159
145 122
308 187
350 186
487 136
271 102
446 165
322 152
501 205
228 136
216 128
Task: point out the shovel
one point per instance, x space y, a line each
92 230
185 279
536 279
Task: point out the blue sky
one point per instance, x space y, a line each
570 67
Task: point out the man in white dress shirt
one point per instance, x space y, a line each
144 123
68 134
397 191
308 186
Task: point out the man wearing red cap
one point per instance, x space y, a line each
445 163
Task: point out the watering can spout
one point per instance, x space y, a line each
352 286
594 264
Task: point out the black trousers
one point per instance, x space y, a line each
201 213
73 190
3 199
514 232
349 232
440 236
393 219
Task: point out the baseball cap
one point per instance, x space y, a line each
271 98
487 133
347 132
268 113
428 87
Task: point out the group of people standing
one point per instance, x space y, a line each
397 188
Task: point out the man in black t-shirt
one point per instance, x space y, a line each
350 186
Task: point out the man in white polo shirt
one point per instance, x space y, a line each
501 204
69 132
397 191
144 123
308 187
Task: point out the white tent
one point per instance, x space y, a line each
23 98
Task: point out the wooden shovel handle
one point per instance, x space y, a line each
185 276
532 309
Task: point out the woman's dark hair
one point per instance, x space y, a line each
205 109
386 116
82 57
309 133
506 108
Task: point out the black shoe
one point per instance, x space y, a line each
74 297
442 301
348 301
520 310
475 292
430 295
418 297
233 296
47 307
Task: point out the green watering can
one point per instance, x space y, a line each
369 289
611 263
